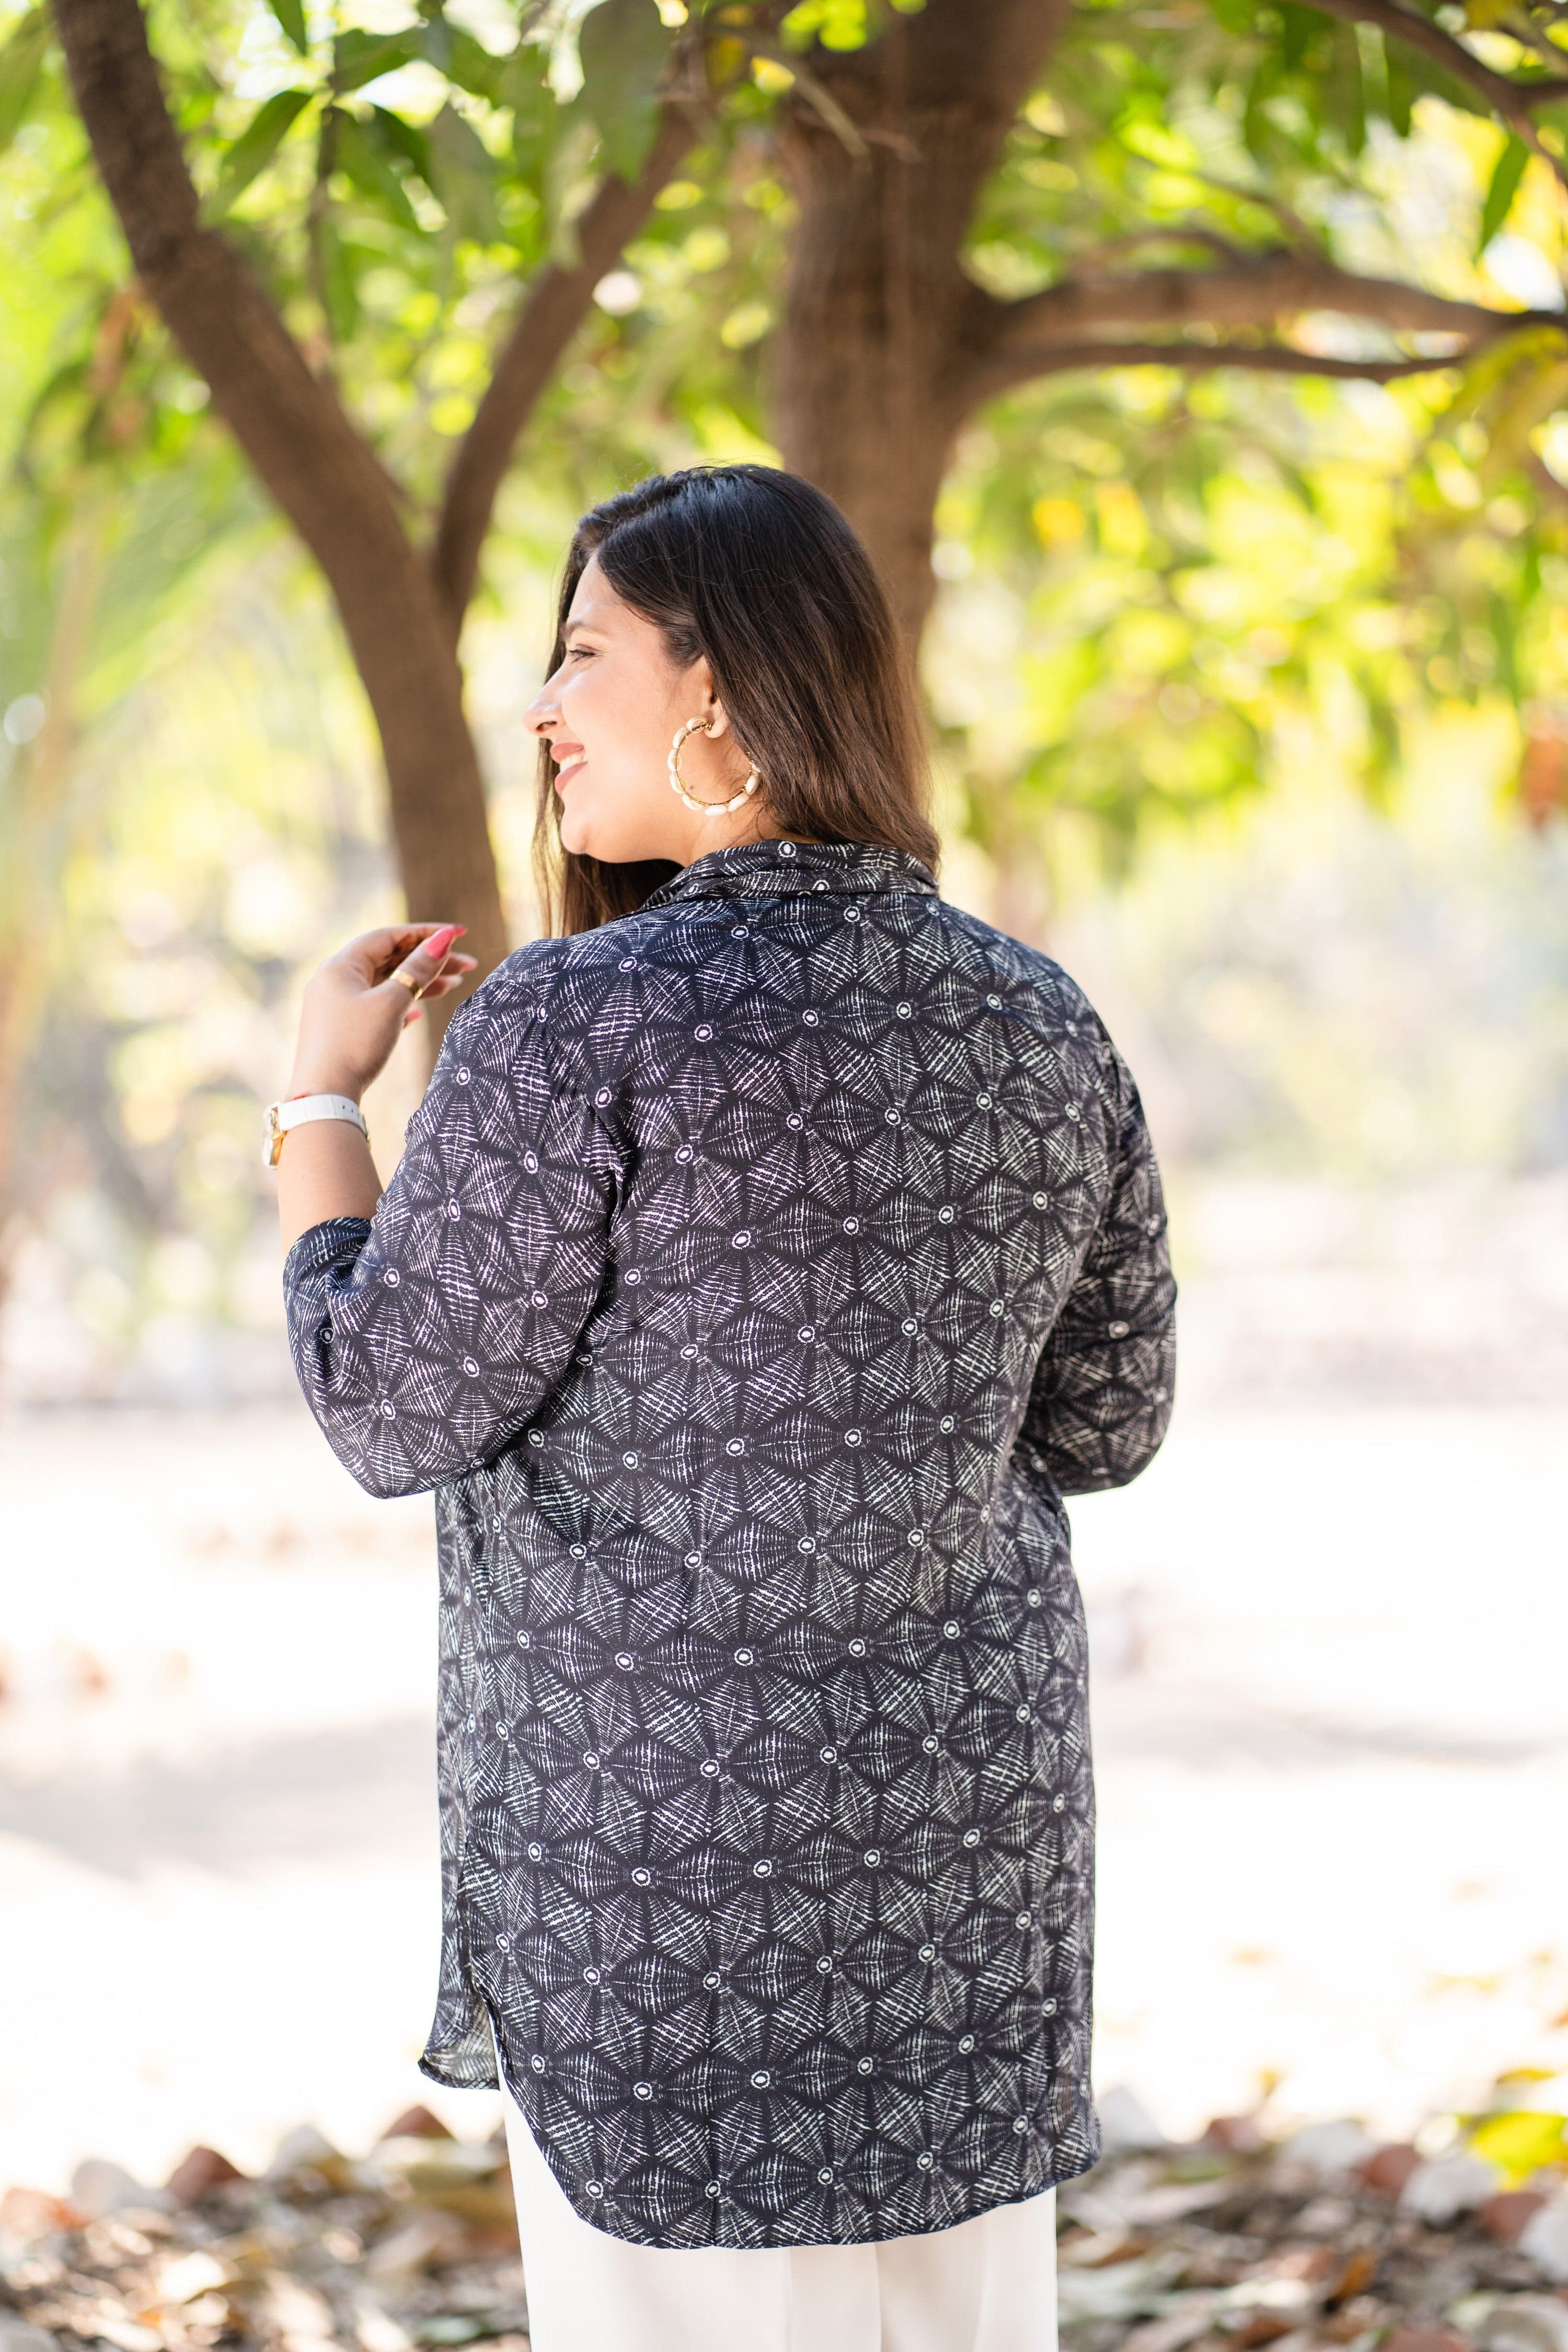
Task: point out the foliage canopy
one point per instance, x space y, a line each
394 179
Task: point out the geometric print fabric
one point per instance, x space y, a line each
760 1271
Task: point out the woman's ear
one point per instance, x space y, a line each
705 702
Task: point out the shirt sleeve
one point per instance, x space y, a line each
427 1338
1103 1390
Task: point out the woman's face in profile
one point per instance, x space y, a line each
608 715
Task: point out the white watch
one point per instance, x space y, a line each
282 1116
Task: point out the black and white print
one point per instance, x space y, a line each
762 1270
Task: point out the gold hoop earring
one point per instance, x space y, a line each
703 808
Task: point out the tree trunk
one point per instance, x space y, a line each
874 359
409 667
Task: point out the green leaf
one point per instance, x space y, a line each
463 173
623 47
1501 190
535 116
21 62
1426 76
1256 127
408 141
1297 28
290 15
1400 94
365 152
254 149
359 57
1344 90
339 276
461 58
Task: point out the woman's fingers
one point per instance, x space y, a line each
373 954
452 974
455 971
442 985
418 972
374 957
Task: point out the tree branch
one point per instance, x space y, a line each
1511 101
1265 359
554 307
1256 290
1016 341
844 127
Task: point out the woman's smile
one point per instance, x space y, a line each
620 691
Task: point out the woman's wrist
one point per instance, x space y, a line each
321 1079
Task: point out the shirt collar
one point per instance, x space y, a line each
762 868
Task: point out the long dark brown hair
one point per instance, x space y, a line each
759 573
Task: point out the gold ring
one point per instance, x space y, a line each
405 979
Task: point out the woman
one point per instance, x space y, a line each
770 1253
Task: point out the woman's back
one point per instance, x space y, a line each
761 1268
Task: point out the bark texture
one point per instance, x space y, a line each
873 363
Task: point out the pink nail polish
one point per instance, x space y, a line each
437 943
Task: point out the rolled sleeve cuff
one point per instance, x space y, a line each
337 1242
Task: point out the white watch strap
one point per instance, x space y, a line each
282 1116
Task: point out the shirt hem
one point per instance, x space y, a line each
758 2237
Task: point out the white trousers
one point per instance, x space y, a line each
985 2285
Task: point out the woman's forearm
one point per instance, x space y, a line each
325 1171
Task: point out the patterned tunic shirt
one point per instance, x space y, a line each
760 1271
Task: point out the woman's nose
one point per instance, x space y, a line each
542 712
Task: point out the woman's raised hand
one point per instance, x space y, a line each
361 998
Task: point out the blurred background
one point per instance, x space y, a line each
1248 696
